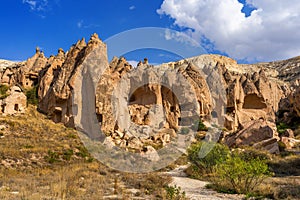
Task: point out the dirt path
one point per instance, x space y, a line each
195 189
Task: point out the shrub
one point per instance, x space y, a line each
174 193
281 127
199 126
32 96
237 171
218 154
68 154
249 153
3 91
52 157
239 175
84 153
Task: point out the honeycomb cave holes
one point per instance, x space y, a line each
145 97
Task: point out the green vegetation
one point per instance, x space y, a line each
67 154
32 96
239 175
229 171
52 157
217 155
174 193
281 127
3 91
199 126
44 160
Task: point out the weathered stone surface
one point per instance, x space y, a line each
290 142
288 133
15 102
242 98
259 133
150 153
270 145
111 76
294 100
58 80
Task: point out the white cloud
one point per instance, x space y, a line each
133 63
131 7
32 4
37 5
271 32
79 24
181 37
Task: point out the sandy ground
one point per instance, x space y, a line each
195 189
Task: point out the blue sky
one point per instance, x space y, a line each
247 30
62 23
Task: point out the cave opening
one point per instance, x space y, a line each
253 101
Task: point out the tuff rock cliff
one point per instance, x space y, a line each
255 96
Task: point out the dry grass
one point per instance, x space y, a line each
286 166
284 184
43 160
281 188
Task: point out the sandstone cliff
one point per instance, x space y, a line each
244 100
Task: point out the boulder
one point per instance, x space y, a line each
258 133
270 145
290 142
288 133
150 153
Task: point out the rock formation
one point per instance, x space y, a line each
245 100
14 102
57 80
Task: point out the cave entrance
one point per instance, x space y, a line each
143 96
142 100
253 101
16 107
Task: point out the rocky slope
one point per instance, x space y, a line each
245 101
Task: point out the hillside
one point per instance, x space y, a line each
43 160
141 119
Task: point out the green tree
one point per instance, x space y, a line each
217 154
240 175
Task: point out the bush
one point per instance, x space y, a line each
218 154
250 153
52 157
237 171
174 193
239 175
3 91
281 127
32 96
199 126
68 154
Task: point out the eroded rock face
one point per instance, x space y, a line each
140 103
294 100
258 133
25 74
58 82
244 99
111 76
15 102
